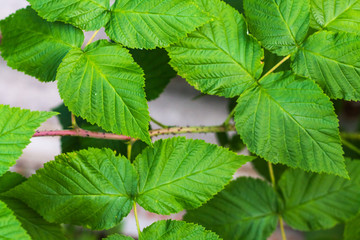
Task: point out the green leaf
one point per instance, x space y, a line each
93 188
34 46
10 180
262 167
180 173
337 15
86 14
176 230
118 237
17 126
104 85
10 227
352 229
153 23
335 233
219 58
333 61
319 201
237 4
289 120
245 210
158 72
280 25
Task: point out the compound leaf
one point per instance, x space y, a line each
171 230
17 126
220 58
291 121
319 201
104 85
245 210
180 174
93 188
280 25
153 23
337 15
10 227
86 14
333 61
34 46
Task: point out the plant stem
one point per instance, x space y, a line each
158 123
275 67
129 148
281 222
157 132
350 136
350 146
92 37
73 122
228 119
137 220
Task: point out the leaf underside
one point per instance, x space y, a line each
289 120
219 58
104 85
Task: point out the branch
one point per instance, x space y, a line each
157 132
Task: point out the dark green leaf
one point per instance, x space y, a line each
118 237
245 210
262 167
10 227
352 229
335 233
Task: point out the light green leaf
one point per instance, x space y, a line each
153 23
86 14
10 227
338 15
245 210
352 229
104 85
219 58
34 46
289 120
17 126
93 188
280 25
180 173
158 72
176 230
118 237
319 201
333 61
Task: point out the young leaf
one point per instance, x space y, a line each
93 188
333 61
16 128
158 72
181 174
352 229
246 210
118 237
176 230
290 121
338 15
86 14
153 23
10 227
104 85
34 46
280 25
313 201
219 58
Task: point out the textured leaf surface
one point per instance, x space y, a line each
180 174
158 72
10 227
314 201
34 46
16 128
153 23
118 237
104 85
333 61
290 121
86 14
92 188
219 58
352 229
338 15
176 230
245 210
280 25
10 180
